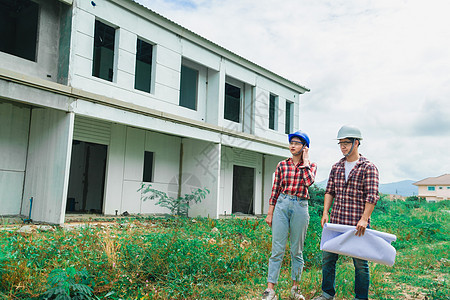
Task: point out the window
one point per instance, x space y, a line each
289 117
143 70
440 187
148 166
431 188
232 103
188 87
19 28
273 112
103 61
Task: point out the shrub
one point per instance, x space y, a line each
178 206
68 284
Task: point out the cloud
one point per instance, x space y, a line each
381 65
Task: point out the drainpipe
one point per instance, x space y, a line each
262 183
180 169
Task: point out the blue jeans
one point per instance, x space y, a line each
290 217
328 276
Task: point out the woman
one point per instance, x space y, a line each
288 212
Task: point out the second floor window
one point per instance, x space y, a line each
19 28
232 103
103 60
143 70
188 87
273 111
431 188
289 117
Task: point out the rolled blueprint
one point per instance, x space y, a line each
373 245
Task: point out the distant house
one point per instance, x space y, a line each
434 188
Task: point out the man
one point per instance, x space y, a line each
288 212
353 185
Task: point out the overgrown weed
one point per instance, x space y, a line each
202 258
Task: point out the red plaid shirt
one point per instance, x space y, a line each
292 179
350 197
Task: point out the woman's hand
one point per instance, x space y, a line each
269 219
305 156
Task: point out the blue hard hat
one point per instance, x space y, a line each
301 135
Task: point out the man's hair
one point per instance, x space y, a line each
353 139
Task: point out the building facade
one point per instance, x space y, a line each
98 97
434 189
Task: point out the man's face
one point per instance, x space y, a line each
345 145
295 146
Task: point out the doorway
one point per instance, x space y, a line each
87 178
243 190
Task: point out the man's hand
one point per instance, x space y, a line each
324 219
361 227
269 219
364 221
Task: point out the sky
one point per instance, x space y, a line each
381 65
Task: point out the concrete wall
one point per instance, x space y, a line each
45 66
47 170
14 124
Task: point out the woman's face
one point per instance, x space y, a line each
295 146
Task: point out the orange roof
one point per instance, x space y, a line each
440 180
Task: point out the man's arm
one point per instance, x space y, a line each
327 202
364 221
371 184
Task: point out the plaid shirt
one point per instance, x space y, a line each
292 179
350 197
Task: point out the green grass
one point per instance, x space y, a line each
180 258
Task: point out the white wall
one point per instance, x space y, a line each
14 123
125 169
133 168
169 51
271 163
114 170
166 149
201 167
240 157
47 170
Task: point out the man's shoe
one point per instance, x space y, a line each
322 297
295 294
269 294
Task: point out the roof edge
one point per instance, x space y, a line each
177 29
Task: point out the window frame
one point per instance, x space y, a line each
95 66
273 113
289 122
194 67
34 39
237 84
152 66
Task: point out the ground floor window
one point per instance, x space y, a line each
148 166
